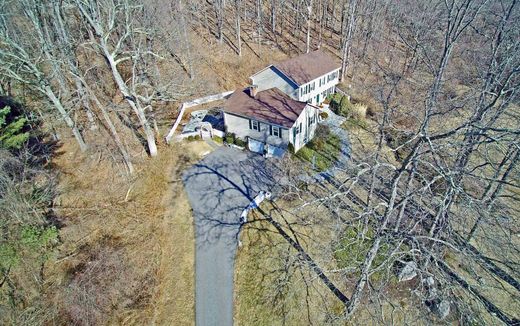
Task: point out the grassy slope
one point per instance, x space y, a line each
148 216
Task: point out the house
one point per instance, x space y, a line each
308 78
269 120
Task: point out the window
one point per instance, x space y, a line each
297 129
255 125
276 131
312 119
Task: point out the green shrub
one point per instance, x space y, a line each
197 137
230 138
218 139
335 99
190 138
240 142
340 105
345 107
290 148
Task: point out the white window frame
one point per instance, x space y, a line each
255 125
277 132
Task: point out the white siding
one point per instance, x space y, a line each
240 127
308 129
311 96
271 77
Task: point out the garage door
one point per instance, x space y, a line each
275 151
255 146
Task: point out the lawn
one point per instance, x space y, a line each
323 150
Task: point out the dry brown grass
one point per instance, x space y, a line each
147 220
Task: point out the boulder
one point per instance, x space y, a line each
408 271
441 308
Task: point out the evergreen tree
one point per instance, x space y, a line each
11 132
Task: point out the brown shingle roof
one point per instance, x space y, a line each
271 106
306 67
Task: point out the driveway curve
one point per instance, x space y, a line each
219 187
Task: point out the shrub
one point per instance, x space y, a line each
344 107
290 148
335 99
12 135
218 139
190 138
197 137
322 151
230 138
323 115
240 142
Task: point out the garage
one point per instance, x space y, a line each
255 146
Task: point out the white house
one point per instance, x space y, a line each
269 119
308 78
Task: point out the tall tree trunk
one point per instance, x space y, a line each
187 45
273 16
309 20
348 39
258 21
239 39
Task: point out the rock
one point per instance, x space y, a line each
408 271
441 308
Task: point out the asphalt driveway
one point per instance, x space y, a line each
219 187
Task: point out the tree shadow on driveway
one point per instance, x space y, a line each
219 187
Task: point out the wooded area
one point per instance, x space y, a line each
434 184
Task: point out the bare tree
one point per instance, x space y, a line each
219 7
23 60
238 4
347 39
113 29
